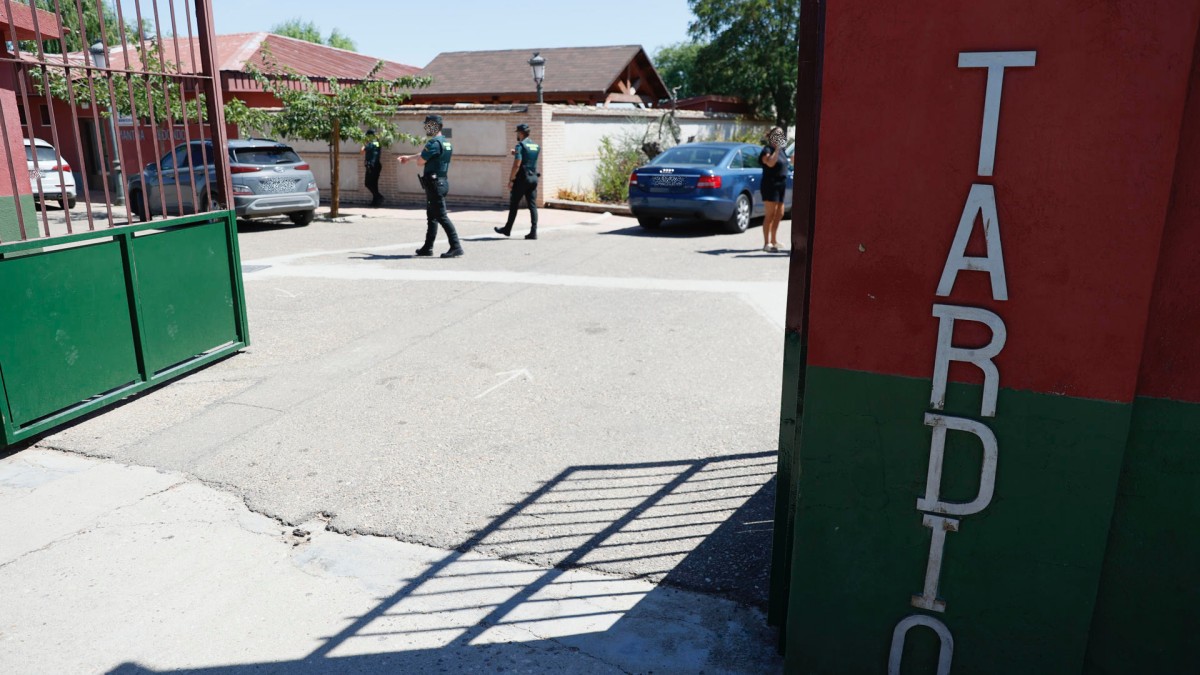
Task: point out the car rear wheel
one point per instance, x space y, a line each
137 207
648 222
740 220
67 204
302 218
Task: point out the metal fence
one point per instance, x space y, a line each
103 97
94 306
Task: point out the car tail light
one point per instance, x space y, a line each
64 167
301 167
633 178
243 169
713 182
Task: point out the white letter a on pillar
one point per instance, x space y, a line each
980 202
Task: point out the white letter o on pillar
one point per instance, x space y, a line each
945 656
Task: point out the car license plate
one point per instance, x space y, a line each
278 185
666 181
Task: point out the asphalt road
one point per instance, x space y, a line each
603 397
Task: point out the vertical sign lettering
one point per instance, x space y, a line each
936 513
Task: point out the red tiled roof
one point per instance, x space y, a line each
234 51
568 69
22 22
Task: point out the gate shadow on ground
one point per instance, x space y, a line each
703 525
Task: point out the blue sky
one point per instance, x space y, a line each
414 32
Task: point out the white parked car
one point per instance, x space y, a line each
51 178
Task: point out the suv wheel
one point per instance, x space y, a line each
302 218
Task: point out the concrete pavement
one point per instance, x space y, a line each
603 400
135 570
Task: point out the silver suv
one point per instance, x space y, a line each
269 179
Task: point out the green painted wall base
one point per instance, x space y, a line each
1019 579
10 225
119 311
1148 612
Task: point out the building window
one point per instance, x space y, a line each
21 114
46 116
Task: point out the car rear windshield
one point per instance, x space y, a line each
681 154
44 155
265 156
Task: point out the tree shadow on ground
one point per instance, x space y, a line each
558 619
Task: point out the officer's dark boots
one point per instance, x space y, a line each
532 220
506 230
455 246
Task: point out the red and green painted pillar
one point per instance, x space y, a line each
989 457
18 215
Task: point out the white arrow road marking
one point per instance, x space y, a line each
512 375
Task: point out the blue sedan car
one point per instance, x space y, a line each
710 181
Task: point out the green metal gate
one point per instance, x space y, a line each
94 305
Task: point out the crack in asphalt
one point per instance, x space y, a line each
91 528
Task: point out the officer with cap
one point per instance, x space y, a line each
522 182
371 152
435 157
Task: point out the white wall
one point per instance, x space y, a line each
584 130
483 135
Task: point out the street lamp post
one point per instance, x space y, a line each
100 59
539 72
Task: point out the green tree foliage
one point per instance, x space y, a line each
751 51
299 29
340 40
345 112
618 159
154 94
677 64
310 32
75 39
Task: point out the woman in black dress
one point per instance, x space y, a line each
774 185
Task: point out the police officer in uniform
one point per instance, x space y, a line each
435 157
371 152
522 182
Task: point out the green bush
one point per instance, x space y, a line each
618 159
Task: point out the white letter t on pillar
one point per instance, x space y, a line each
995 62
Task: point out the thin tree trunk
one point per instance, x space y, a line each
337 161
